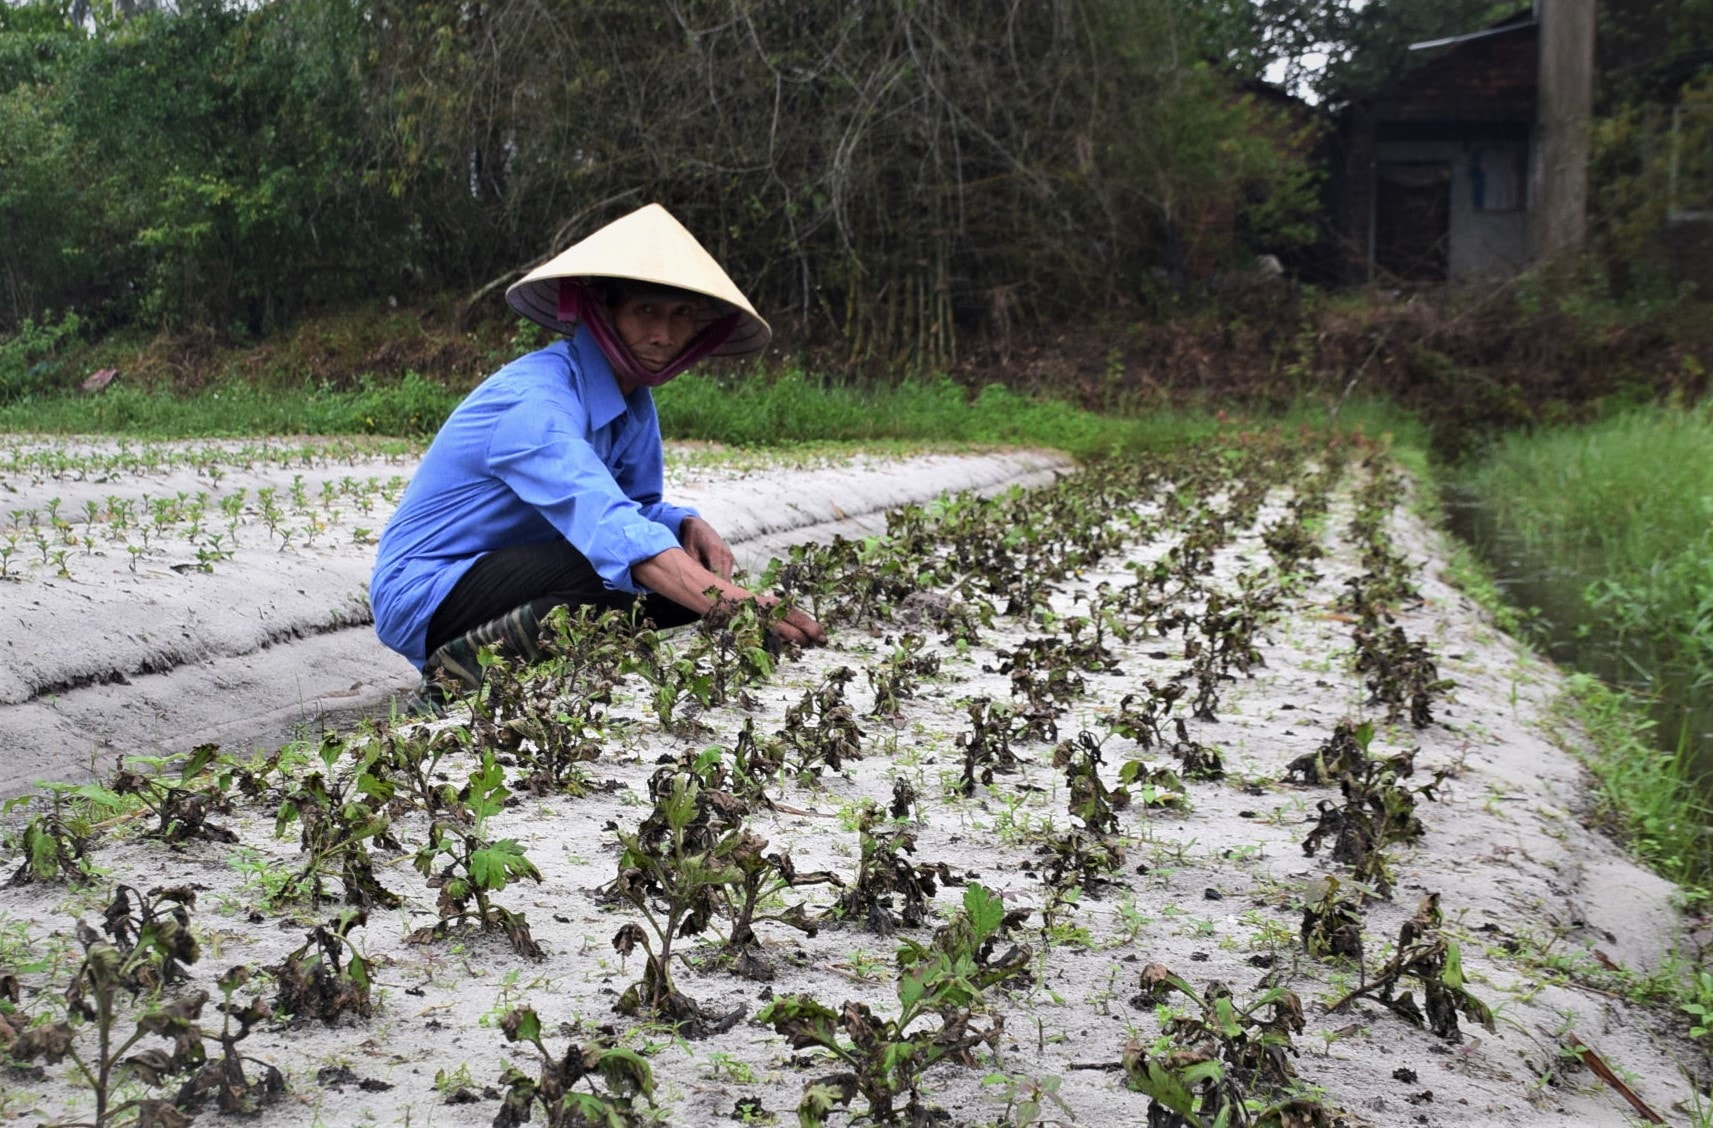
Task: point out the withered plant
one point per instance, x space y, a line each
328 977
1077 859
1400 673
141 950
182 808
1345 751
986 747
1436 963
890 890
1377 812
821 730
1332 923
613 1077
675 871
1142 716
223 1079
740 644
340 816
408 757
585 649
882 1060
1198 761
550 735
1207 674
895 679
1091 800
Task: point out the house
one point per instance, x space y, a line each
1475 163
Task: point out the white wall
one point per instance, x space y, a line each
1483 242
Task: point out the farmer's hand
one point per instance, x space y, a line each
797 627
705 546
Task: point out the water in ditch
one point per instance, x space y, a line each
1550 588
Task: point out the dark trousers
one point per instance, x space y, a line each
546 575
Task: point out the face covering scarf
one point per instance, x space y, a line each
578 302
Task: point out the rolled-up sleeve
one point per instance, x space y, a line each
543 458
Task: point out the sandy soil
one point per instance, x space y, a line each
1556 925
126 637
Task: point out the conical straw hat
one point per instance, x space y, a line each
648 245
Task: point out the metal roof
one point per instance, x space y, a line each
1452 41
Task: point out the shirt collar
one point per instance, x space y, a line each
601 395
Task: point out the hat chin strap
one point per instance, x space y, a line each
579 303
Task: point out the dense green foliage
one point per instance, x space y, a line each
895 174
1635 491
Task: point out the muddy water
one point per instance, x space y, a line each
1564 627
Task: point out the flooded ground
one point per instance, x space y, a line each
1549 588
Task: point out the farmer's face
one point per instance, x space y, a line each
656 329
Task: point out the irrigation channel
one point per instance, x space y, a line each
1549 589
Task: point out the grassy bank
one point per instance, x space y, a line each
1631 499
1645 791
1645 796
757 410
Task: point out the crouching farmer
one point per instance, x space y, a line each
543 488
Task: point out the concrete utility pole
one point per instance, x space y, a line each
1558 173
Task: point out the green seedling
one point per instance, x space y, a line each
1030 1100
469 868
53 848
1228 1063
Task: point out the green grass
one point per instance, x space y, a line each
413 406
1647 797
792 407
760 409
1632 496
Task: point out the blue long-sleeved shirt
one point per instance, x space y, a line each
546 447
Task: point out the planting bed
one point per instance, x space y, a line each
163 595
1161 795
